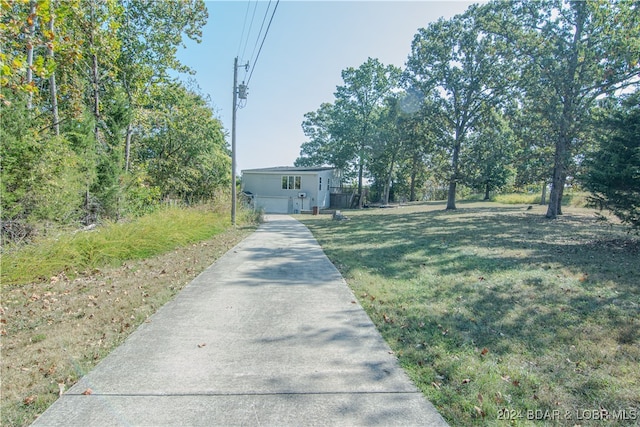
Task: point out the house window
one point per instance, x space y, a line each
320 183
290 182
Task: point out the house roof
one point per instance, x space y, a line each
282 169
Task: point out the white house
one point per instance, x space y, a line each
289 189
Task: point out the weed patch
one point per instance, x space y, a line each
53 331
110 245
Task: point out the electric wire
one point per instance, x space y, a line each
264 18
263 39
244 25
253 15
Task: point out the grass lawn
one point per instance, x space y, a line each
500 316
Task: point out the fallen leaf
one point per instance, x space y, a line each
436 385
202 345
480 398
506 378
466 381
60 389
484 351
516 383
87 392
387 319
29 399
51 371
479 411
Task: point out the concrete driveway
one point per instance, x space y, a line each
268 335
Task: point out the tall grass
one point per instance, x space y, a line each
574 199
111 244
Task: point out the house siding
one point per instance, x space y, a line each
268 194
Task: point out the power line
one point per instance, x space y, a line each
244 25
264 18
263 39
250 26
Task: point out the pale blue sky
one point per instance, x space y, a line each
308 45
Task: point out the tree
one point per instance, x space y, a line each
489 155
399 145
454 62
75 80
613 171
387 148
327 143
184 151
150 33
572 52
533 159
359 100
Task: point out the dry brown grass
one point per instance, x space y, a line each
52 333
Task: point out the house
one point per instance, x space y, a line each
289 189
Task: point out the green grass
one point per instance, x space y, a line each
493 308
111 244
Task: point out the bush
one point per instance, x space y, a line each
613 171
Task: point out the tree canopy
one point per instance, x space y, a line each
92 123
500 96
613 170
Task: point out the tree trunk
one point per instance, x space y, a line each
543 197
563 143
361 166
552 209
487 190
52 80
360 172
556 182
412 187
389 179
563 181
451 198
96 89
30 42
95 72
127 147
453 182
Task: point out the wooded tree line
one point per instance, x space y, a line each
513 92
93 125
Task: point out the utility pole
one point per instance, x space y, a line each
243 95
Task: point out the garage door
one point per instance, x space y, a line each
280 205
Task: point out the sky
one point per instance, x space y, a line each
299 66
